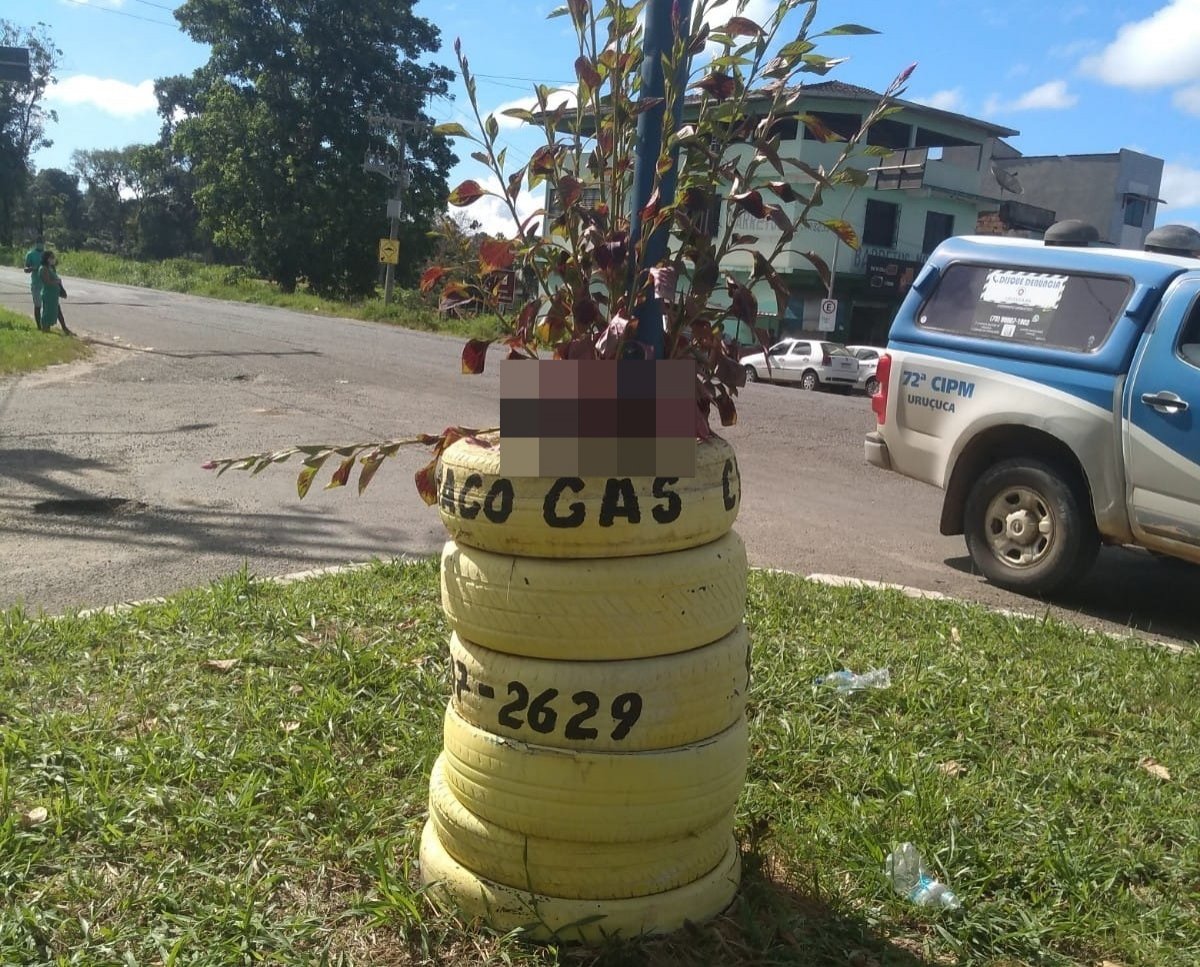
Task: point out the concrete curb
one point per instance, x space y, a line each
840 581
830 580
281 579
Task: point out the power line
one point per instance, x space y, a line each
123 13
151 3
531 80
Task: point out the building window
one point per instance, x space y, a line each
880 223
938 227
845 125
784 128
1135 211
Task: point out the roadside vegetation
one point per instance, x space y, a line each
234 283
24 349
239 775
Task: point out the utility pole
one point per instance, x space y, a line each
396 172
660 37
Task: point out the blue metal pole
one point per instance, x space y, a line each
659 40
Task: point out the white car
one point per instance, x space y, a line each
811 363
868 362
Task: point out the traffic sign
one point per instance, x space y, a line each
827 322
389 251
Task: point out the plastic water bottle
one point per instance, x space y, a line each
906 870
846 681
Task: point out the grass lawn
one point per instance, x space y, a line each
24 349
238 776
235 284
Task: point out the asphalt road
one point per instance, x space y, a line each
178 380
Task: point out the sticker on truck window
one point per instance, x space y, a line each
1018 305
1066 311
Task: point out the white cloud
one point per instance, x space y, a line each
1187 99
492 213
105 94
948 100
1051 96
557 96
1162 50
757 10
1071 49
1180 187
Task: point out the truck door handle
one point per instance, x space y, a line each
1165 401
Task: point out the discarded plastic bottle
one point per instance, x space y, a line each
846 681
906 870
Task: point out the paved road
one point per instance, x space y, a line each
178 380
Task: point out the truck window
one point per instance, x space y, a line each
1189 339
1064 311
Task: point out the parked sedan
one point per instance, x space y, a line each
868 362
811 363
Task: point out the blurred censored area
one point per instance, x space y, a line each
598 417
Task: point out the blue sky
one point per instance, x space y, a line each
1073 76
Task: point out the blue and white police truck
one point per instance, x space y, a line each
1053 392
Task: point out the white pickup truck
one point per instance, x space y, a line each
1053 393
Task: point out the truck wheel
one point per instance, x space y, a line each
809 380
1027 528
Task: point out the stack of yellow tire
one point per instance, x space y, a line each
595 738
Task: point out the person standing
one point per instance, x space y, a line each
33 269
52 291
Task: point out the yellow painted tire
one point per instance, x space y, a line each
574 920
563 868
595 797
598 517
590 705
593 609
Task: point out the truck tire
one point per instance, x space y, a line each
1028 528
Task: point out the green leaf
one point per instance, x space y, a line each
452 129
305 480
842 29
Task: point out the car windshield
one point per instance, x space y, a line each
833 349
867 354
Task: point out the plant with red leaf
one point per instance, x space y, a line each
582 283
585 280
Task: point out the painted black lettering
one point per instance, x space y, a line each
447 501
591 705
469 511
460 679
620 500
668 512
728 497
626 710
498 504
550 508
520 699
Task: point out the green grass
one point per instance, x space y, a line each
269 813
24 349
236 284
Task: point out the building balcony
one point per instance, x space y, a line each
957 172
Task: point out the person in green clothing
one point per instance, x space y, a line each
33 269
52 290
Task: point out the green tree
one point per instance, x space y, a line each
274 129
23 119
54 205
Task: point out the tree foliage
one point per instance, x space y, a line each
23 117
594 269
274 129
